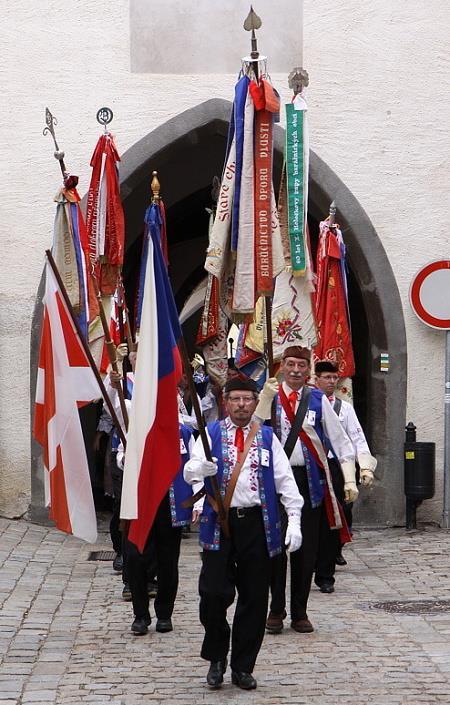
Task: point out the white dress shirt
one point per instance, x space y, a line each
331 425
184 417
352 427
246 492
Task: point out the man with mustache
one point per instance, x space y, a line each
305 424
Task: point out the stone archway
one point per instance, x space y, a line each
188 151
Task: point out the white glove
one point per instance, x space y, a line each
268 392
366 477
209 468
349 474
293 534
367 463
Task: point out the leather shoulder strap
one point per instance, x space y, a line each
291 440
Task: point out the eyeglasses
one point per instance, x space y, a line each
244 400
329 378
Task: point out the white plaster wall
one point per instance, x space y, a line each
74 59
378 117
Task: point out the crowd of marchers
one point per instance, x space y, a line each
280 479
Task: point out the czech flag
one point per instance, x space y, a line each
152 457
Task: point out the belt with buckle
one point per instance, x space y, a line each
242 512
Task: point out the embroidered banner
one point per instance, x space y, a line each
244 282
295 187
263 189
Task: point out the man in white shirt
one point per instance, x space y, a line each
327 378
304 420
240 561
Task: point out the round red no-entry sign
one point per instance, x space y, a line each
430 294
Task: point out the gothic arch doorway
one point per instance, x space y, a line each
188 151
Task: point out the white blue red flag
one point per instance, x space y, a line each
152 457
65 382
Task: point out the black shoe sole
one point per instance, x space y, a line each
274 630
214 687
163 630
235 681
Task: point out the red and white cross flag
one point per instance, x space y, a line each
65 382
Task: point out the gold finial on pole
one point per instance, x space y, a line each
156 187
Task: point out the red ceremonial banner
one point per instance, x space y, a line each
263 194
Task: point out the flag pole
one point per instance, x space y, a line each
202 432
85 346
253 22
156 188
123 303
111 348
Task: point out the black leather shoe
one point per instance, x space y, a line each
243 680
327 588
164 625
340 560
140 626
214 677
118 563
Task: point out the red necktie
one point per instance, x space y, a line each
239 439
293 396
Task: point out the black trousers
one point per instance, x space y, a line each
114 530
302 561
164 540
329 540
241 564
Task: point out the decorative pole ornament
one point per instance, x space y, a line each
253 22
155 187
298 79
51 121
70 181
104 117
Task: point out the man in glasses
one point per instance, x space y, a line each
330 549
251 469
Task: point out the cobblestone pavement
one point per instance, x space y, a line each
65 633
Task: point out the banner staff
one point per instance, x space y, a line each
71 181
111 349
86 349
104 117
253 22
156 188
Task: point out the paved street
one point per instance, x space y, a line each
65 633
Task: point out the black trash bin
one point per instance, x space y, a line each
419 464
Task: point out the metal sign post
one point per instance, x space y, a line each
429 296
445 514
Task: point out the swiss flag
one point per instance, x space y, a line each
65 382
